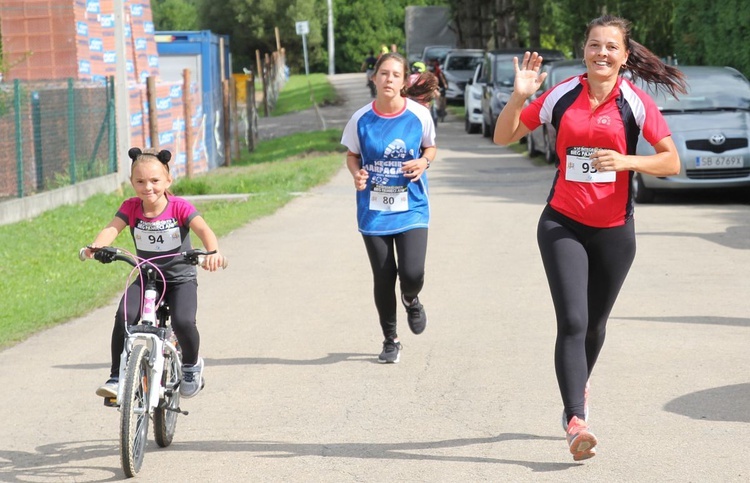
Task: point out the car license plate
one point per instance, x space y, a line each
718 162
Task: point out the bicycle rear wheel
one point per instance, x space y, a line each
165 416
134 411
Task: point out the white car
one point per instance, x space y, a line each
473 102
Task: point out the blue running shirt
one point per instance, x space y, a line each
391 203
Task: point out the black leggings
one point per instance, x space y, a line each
585 268
182 299
411 249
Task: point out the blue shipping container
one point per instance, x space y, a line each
199 51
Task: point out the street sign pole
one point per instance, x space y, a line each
303 28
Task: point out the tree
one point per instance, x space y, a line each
251 25
705 39
175 14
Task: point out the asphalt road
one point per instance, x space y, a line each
290 338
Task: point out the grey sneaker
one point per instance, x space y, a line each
391 352
415 315
192 379
109 388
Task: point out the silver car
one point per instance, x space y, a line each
710 126
458 68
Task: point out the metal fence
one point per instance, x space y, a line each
58 140
55 134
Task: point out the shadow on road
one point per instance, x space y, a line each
726 403
390 451
737 237
694 319
51 461
331 358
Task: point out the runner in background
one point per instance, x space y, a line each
368 67
391 143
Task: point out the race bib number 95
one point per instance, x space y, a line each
579 167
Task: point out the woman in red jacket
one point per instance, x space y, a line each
586 234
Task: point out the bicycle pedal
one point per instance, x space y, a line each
110 402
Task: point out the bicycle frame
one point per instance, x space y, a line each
157 343
150 331
153 333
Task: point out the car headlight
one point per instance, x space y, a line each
477 96
502 97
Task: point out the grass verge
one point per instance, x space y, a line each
299 91
44 284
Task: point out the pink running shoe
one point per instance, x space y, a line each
564 418
580 439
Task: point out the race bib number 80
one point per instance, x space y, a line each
579 167
389 198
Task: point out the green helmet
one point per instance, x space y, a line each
418 67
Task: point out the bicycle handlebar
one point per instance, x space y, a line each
110 254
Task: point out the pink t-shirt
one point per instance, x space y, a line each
166 233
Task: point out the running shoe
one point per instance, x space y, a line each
580 440
415 315
109 388
192 379
564 418
391 352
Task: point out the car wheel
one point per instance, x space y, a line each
641 194
533 151
467 124
549 149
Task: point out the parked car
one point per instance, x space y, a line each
544 138
432 52
473 102
458 67
710 126
498 75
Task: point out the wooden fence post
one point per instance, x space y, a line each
153 118
187 106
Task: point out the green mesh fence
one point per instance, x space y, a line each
55 134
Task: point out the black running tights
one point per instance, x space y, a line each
182 299
411 249
585 268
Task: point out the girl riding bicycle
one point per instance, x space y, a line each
160 224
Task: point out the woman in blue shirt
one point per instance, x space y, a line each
391 143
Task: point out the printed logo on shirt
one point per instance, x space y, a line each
385 170
387 192
604 120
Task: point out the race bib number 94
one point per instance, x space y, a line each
389 198
157 240
579 168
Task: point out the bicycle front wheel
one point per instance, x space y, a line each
134 411
165 416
